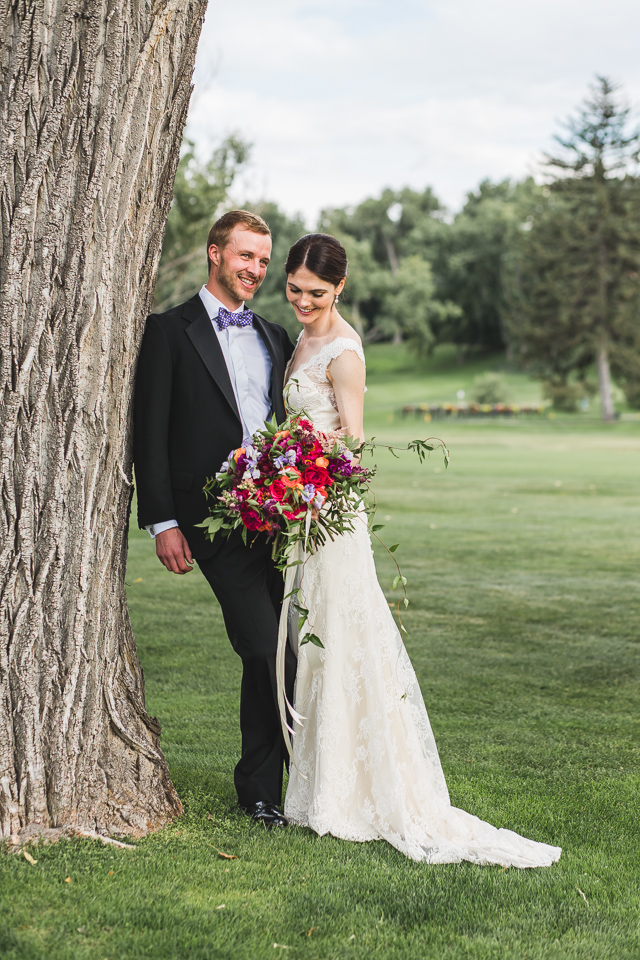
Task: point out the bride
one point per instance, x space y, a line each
365 762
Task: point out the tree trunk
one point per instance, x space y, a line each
356 318
392 255
93 103
604 383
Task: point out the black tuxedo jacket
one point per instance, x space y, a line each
186 419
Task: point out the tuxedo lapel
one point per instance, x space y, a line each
201 333
277 366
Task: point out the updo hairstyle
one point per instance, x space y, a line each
321 254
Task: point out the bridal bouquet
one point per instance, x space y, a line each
298 486
293 482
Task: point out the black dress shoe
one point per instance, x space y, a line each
266 813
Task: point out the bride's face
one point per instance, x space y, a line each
311 297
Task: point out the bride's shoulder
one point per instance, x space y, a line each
344 347
346 342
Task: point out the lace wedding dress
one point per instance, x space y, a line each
366 765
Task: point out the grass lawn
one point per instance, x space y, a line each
523 564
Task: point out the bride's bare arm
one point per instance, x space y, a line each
347 375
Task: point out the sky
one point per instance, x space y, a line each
342 98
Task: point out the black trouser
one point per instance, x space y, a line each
249 590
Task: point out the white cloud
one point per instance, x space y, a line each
345 97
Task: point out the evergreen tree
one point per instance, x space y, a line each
574 275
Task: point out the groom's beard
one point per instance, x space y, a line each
229 280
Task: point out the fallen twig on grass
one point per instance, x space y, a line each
35 833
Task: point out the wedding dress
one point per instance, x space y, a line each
366 765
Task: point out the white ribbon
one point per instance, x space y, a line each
289 583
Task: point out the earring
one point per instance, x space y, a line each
336 299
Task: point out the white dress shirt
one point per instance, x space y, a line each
249 366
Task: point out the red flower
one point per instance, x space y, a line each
313 451
318 476
294 514
278 490
250 518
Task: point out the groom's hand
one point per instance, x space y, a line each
173 551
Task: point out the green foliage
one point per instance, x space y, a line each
563 395
568 395
470 260
415 275
409 304
574 287
200 192
625 350
490 388
391 291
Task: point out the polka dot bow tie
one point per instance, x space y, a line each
243 318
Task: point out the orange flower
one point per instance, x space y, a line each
322 462
291 473
292 481
281 433
238 453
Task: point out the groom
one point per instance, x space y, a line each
209 374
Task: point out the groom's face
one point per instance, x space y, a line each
240 266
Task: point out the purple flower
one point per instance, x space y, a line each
344 468
251 457
285 460
308 492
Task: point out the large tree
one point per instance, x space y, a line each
575 273
92 104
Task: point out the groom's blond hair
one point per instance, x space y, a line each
221 230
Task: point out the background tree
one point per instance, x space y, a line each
411 305
93 99
200 191
575 273
376 235
468 259
384 221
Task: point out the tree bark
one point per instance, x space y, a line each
356 318
604 383
392 255
93 102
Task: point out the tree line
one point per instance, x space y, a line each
549 272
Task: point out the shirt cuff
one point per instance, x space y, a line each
156 528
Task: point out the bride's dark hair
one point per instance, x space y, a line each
321 254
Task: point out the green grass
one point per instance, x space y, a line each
395 377
523 563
